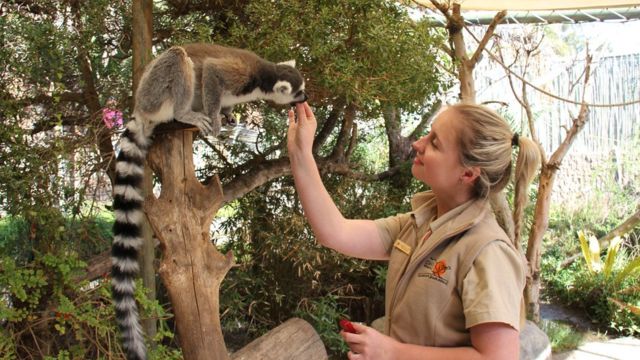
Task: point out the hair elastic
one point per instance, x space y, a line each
515 139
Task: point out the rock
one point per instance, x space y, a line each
534 343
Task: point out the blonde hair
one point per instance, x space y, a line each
486 141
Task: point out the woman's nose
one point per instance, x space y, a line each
418 145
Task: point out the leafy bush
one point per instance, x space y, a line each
283 272
605 291
47 311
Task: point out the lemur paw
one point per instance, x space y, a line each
206 125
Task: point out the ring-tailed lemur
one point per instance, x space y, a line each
192 84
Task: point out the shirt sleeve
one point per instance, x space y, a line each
389 228
492 289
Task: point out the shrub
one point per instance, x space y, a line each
605 290
47 312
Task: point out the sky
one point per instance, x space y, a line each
623 38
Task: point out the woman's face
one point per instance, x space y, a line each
437 161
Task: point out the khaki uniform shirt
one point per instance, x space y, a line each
466 272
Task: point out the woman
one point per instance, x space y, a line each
455 281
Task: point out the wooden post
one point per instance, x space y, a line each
295 339
191 267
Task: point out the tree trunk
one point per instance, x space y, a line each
465 67
142 24
191 267
534 248
295 339
543 202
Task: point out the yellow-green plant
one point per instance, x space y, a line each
591 253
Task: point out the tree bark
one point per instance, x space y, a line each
191 267
292 340
142 24
541 215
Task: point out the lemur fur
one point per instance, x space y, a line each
193 84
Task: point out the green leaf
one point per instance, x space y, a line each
586 253
628 270
612 252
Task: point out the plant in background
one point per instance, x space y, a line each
48 312
608 290
323 314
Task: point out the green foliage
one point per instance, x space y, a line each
562 337
57 55
47 312
604 286
47 230
283 271
606 291
323 313
365 51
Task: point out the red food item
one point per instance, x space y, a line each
347 326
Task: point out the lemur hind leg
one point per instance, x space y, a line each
182 89
212 87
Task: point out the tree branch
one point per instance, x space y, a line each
338 152
255 177
269 170
46 125
345 169
497 19
444 9
353 143
328 126
427 118
578 122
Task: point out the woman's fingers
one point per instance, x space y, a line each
300 112
307 110
292 118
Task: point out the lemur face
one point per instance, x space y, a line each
289 88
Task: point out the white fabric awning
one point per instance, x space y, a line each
536 4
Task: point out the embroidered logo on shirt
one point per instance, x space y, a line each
437 270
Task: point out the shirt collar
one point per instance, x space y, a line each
424 209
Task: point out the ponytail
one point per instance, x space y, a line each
527 165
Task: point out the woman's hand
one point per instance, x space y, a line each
301 130
369 344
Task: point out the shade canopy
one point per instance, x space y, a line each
536 4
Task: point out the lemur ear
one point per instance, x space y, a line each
291 63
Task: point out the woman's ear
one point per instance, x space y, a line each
469 175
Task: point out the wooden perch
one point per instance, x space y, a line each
295 339
191 267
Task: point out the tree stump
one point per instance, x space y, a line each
191 267
294 339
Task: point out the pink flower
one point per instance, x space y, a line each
112 117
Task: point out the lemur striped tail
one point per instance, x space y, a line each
127 203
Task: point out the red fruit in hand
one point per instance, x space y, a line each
347 326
